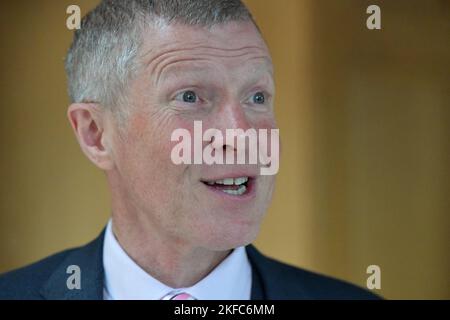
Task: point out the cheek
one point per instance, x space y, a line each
266 122
148 150
137 125
149 140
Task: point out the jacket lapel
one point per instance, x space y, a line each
272 280
89 259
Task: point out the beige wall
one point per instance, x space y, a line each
363 116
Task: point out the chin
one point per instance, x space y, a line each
232 237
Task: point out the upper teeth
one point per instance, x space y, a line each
229 181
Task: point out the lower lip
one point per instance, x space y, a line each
248 195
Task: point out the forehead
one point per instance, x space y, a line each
191 45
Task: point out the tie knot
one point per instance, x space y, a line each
178 296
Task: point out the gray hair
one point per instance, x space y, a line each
103 56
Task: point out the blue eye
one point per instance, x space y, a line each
259 98
189 96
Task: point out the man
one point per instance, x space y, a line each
138 71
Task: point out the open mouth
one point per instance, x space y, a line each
232 186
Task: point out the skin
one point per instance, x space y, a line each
165 218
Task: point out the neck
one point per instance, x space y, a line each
169 259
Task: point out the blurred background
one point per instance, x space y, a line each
364 118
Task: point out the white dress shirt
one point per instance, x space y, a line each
124 279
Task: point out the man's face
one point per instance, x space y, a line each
223 77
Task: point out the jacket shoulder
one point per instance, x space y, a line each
25 283
284 281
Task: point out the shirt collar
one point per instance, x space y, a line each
124 279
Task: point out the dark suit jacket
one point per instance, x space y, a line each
47 279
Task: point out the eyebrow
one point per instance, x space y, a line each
173 69
178 67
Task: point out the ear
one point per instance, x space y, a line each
88 122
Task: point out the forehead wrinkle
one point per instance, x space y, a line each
178 67
159 70
158 63
172 48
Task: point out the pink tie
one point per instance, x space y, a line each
183 296
178 296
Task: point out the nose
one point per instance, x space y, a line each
238 144
230 115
